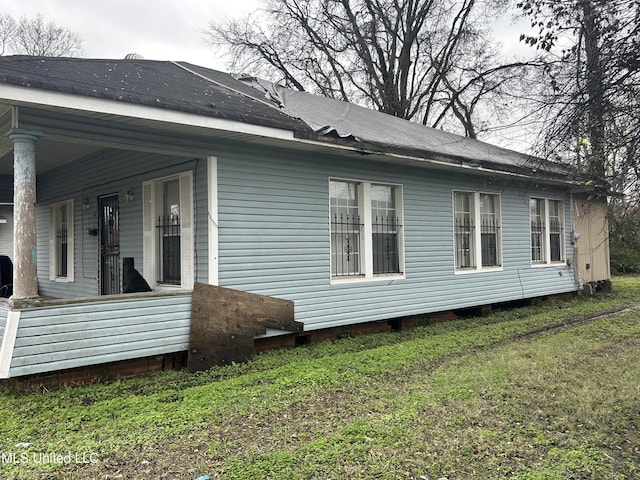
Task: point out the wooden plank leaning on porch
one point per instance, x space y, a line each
225 321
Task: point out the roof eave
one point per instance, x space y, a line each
434 158
37 98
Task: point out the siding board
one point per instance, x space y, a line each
111 172
65 357
97 338
274 239
67 336
277 252
3 322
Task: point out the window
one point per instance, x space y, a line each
168 232
384 228
489 229
547 231
555 231
346 229
366 229
464 230
476 221
536 206
61 241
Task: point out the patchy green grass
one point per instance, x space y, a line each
543 392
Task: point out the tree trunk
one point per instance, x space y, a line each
595 91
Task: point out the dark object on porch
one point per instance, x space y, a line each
6 277
132 281
225 321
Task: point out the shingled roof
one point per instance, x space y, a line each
163 84
184 87
376 131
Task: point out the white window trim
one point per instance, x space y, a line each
477 235
366 254
212 229
546 240
53 258
150 247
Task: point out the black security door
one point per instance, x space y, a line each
109 245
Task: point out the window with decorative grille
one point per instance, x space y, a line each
366 229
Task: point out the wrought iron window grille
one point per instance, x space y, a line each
62 242
386 258
168 229
464 233
555 239
346 232
489 234
537 240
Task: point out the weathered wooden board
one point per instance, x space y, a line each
225 321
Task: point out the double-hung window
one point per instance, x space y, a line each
547 231
168 231
476 221
61 241
366 229
384 229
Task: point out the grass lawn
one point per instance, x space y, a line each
544 392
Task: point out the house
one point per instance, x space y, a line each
184 174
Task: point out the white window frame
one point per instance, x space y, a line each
366 248
546 261
476 234
152 199
54 225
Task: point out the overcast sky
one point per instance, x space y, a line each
155 29
158 29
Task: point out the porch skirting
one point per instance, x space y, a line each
87 332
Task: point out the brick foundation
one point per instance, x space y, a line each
336 333
96 373
177 361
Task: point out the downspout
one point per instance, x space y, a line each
577 280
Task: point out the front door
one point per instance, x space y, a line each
109 245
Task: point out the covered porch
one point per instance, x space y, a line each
90 197
97 214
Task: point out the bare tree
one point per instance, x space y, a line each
8 28
592 101
36 37
424 60
592 77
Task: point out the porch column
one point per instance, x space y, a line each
25 282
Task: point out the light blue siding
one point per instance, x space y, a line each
274 231
274 240
110 172
4 312
68 336
6 231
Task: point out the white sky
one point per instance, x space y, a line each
159 29
155 29
173 29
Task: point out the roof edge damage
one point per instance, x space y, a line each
184 88
376 133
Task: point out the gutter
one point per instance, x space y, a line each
421 158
